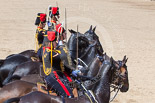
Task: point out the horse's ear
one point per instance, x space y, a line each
94 29
90 29
111 60
71 31
125 60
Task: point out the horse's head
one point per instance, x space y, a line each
120 77
91 35
83 43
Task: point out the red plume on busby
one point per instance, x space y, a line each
41 17
54 11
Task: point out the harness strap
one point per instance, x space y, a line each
91 96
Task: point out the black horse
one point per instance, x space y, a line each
110 71
23 69
87 50
7 65
10 63
72 44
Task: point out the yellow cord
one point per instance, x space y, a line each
51 55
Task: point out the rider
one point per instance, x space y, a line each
40 32
52 21
56 65
53 16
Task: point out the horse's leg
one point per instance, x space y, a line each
7 80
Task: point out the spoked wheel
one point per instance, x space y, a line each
114 91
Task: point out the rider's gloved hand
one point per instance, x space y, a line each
80 67
76 72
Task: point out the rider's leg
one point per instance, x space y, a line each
61 87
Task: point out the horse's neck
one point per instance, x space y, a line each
102 90
94 67
89 55
93 71
70 41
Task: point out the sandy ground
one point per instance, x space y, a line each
125 27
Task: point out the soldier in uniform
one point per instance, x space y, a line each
53 16
40 32
56 66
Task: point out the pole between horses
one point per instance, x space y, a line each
77 50
66 23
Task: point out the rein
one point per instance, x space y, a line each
115 87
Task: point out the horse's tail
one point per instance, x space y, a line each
14 100
7 80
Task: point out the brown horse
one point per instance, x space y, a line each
32 78
109 71
16 89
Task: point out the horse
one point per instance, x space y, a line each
23 69
72 44
10 63
116 73
87 49
16 89
110 71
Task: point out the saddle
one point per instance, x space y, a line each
44 89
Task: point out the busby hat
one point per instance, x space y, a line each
41 17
